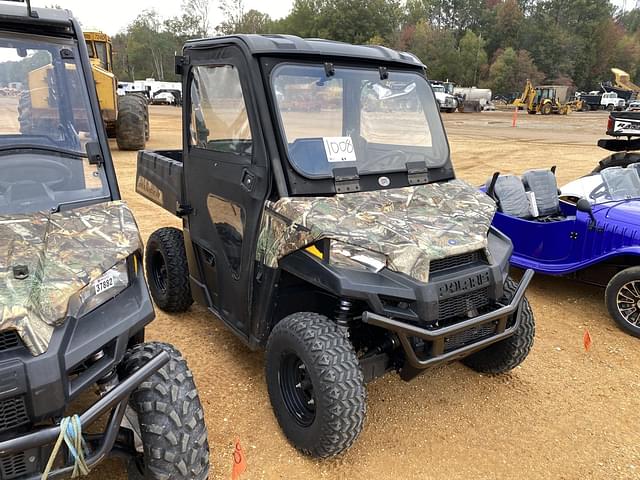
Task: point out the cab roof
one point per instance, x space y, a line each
52 21
289 45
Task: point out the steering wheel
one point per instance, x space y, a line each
599 192
32 170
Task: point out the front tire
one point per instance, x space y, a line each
507 354
315 384
168 271
623 300
170 419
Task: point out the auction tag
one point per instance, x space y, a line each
105 282
339 149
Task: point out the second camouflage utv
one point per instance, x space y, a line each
322 220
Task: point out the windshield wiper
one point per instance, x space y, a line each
44 148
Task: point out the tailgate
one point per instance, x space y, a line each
159 178
625 124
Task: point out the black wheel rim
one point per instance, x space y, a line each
628 302
297 389
159 272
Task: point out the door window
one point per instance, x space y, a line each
219 120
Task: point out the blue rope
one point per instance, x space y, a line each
71 435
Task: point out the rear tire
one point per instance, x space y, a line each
507 354
546 109
131 124
315 384
168 271
170 419
622 297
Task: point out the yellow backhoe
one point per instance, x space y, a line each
125 117
546 99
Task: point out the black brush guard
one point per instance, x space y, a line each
437 337
115 400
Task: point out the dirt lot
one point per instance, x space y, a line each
564 413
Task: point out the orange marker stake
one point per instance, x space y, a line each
586 340
515 117
239 462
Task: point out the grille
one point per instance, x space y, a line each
13 466
457 306
13 413
9 339
456 261
468 336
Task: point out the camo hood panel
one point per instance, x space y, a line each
62 252
411 226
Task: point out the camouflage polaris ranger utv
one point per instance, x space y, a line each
73 299
322 221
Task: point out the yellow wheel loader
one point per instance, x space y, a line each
125 117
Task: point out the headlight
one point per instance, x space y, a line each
104 288
348 256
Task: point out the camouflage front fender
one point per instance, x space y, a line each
411 226
47 258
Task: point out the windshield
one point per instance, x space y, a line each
618 184
45 125
350 117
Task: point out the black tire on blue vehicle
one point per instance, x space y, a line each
622 297
315 384
169 419
507 354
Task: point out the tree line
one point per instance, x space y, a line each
488 43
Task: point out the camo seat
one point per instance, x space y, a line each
544 186
510 195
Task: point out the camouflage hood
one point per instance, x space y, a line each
410 226
60 253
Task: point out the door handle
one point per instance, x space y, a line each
248 180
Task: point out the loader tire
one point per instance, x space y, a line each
24 113
131 124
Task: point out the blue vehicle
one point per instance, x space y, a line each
589 230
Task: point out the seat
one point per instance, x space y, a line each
544 186
510 195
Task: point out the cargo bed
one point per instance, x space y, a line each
159 178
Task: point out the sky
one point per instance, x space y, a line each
111 16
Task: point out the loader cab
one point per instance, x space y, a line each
276 117
100 50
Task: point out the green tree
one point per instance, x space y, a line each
437 50
510 71
472 59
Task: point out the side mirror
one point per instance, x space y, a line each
583 205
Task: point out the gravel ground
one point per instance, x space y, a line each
565 413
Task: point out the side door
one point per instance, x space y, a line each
226 180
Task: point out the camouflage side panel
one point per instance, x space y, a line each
410 226
47 258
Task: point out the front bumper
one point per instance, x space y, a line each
36 389
439 337
116 401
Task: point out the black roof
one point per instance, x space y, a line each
279 45
44 20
